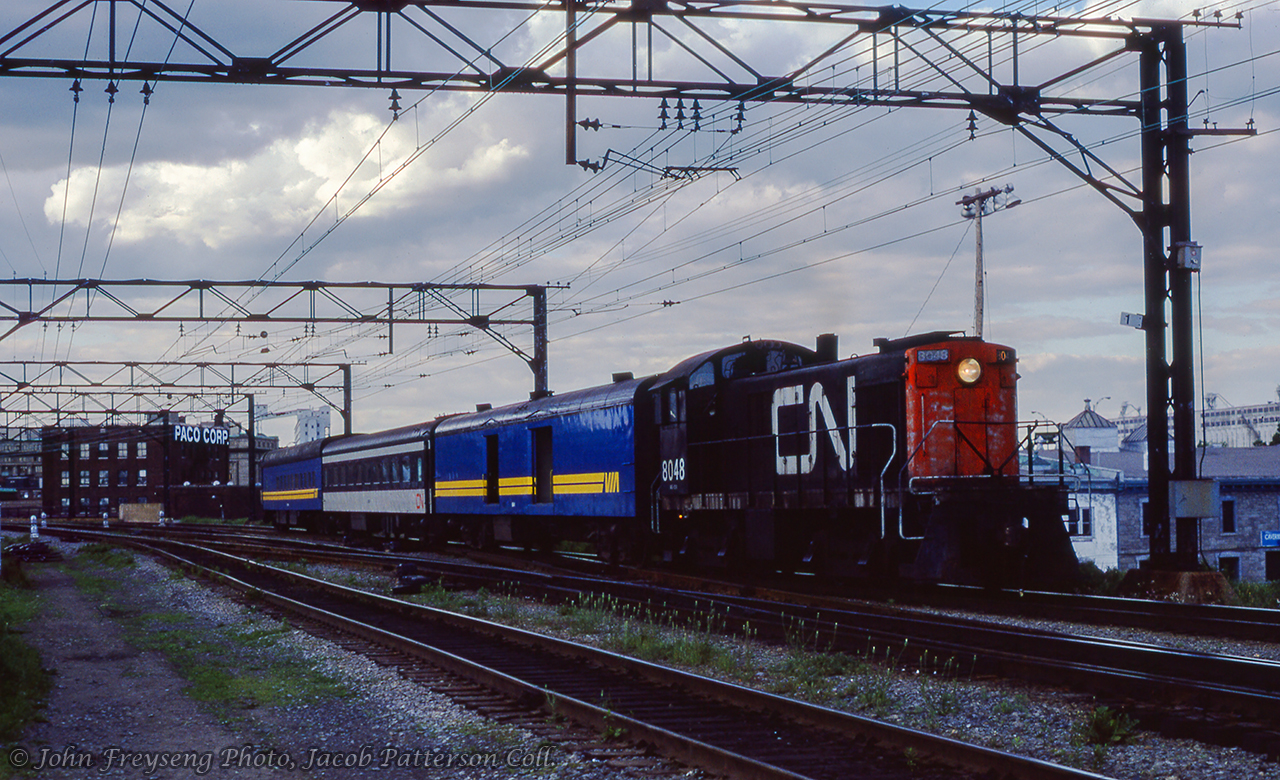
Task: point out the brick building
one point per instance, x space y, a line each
89 471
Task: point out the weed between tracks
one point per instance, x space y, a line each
877 682
919 691
1265 595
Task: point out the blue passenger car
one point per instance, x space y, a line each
558 467
291 484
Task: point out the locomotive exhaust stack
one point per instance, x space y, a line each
828 347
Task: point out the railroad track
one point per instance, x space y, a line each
1225 622
1217 699
722 728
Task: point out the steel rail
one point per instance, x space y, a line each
967 759
1146 674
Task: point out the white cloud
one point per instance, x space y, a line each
279 188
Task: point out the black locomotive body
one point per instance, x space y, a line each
890 464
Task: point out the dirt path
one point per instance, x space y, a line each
113 711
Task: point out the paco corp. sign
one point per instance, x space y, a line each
201 434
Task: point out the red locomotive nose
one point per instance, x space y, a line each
961 399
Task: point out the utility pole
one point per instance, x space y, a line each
975 207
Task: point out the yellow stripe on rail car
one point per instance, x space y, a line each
562 485
290 495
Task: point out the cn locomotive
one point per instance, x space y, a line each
767 455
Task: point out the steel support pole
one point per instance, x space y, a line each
570 82
253 460
541 385
346 400
1153 323
1182 322
168 469
1165 226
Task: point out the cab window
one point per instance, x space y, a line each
705 375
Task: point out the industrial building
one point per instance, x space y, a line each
1108 520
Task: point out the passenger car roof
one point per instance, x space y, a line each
363 441
297 452
605 396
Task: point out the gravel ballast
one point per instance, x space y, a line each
1028 720
108 693
116 710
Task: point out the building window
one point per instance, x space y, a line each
104 503
104 478
84 503
84 452
1229 565
1080 522
142 449
66 451
66 503
142 477
123 478
103 448
1229 516
122 449
66 479
84 478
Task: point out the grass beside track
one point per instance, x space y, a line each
935 695
26 683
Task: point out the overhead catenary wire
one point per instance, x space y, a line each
561 241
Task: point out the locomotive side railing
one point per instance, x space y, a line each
1026 442
711 455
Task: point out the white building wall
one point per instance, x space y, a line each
1102 546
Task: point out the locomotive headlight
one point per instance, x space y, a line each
969 371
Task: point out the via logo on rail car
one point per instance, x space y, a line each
821 419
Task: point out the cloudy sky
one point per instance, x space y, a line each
832 219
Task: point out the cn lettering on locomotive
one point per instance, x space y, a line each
899 463
820 419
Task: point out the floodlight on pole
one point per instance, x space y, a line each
975 207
